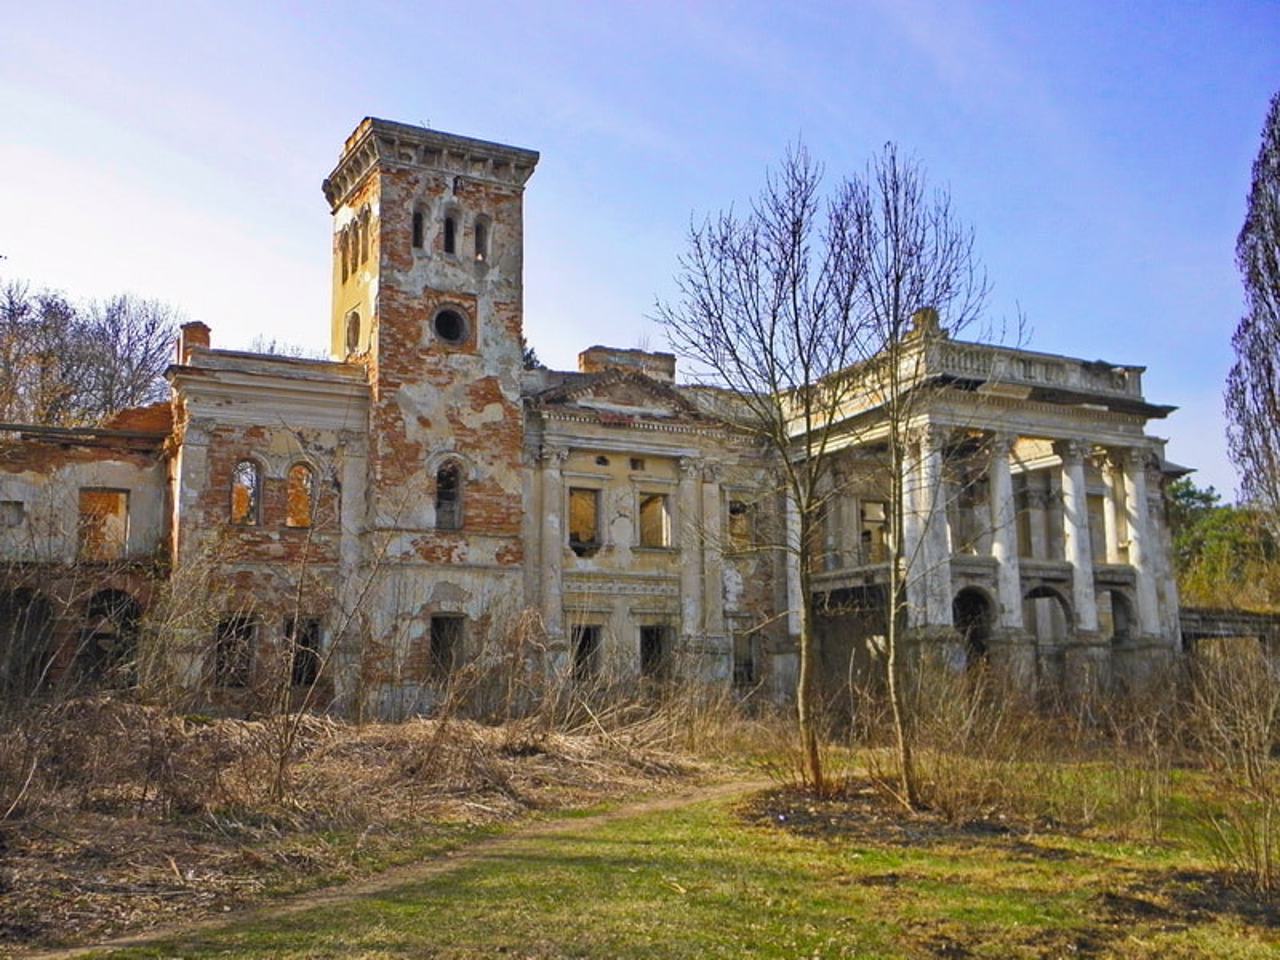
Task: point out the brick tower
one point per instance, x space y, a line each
427 293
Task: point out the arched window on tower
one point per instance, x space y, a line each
449 496
419 223
450 234
344 255
246 489
300 496
482 239
353 332
364 235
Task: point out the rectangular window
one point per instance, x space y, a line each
874 530
12 513
744 661
446 645
655 652
303 637
584 520
740 525
233 651
586 652
655 520
104 523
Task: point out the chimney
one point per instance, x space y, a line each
191 335
656 366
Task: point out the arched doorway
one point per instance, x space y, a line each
972 613
1046 613
1116 617
108 649
26 642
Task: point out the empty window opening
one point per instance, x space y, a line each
449 496
744 661
300 496
108 642
418 229
233 651
655 652
303 638
586 652
602 461
972 614
353 331
482 240
246 491
450 326
450 235
343 255
874 530
637 463
104 523
27 650
364 235
12 513
655 520
740 525
446 646
584 520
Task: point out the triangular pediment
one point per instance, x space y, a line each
620 394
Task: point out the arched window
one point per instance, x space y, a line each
246 487
449 496
353 331
450 234
364 235
482 239
418 226
344 254
300 496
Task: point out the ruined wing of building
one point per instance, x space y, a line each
390 511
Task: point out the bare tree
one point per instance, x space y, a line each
802 309
1253 386
131 343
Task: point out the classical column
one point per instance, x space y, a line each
553 540
1075 533
1141 555
1111 508
791 557
712 556
935 548
691 533
1037 512
1004 534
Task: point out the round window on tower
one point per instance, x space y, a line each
450 326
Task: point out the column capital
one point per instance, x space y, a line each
933 436
689 466
712 472
552 455
1072 451
1002 444
1136 458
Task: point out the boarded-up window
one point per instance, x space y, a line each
584 520
874 530
586 651
245 492
303 637
12 513
446 645
449 497
740 525
300 496
233 651
655 520
104 523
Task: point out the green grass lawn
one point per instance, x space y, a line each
707 881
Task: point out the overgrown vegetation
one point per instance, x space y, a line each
1225 555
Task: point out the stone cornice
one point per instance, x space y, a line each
386 143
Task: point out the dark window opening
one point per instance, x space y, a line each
27 650
740 525
418 224
450 235
637 463
12 513
446 646
655 652
586 652
108 643
482 240
584 520
602 461
449 497
303 637
233 651
972 614
450 326
744 661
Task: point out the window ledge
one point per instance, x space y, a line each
650 549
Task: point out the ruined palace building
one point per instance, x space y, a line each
385 516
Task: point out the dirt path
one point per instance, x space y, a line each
409 873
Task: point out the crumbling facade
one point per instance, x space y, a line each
367 524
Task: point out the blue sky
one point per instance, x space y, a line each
1101 152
